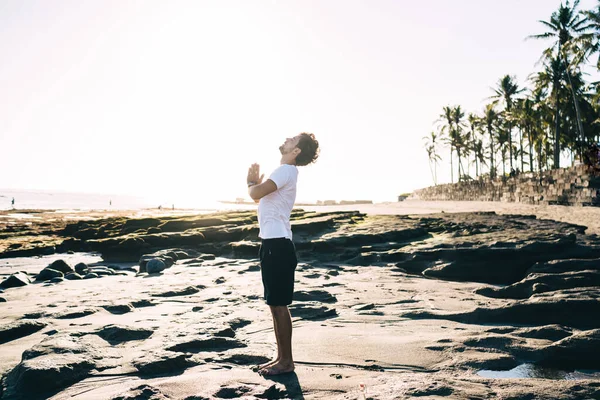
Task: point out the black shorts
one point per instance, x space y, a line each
277 266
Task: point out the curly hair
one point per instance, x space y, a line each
309 147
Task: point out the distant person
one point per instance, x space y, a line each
110 203
173 207
13 202
276 197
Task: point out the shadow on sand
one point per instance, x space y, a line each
291 383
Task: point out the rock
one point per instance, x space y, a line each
58 279
155 266
60 265
207 344
238 323
15 280
543 282
118 308
245 249
143 392
90 275
226 332
2 300
48 273
73 276
43 376
101 270
309 312
245 359
232 392
19 329
168 257
81 268
154 230
569 309
116 334
581 351
548 332
142 303
181 292
220 280
76 314
58 344
321 296
162 363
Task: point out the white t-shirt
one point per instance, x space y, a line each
274 209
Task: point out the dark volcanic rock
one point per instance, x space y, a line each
548 332
143 303
312 312
115 334
163 363
207 344
560 266
91 275
581 350
15 280
540 283
321 296
61 265
181 292
238 323
155 266
43 376
48 273
76 314
81 268
118 308
19 329
73 276
567 308
143 392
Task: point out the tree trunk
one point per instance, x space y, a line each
521 145
557 128
530 149
451 167
578 114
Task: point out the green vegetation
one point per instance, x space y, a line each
527 128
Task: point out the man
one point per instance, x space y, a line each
276 197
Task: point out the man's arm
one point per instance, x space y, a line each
257 189
260 190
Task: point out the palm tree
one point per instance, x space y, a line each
431 145
505 90
564 25
470 139
447 116
502 139
552 75
456 137
490 120
591 40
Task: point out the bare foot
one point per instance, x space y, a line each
257 368
278 368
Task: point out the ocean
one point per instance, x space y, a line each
47 200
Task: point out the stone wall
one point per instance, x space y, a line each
576 186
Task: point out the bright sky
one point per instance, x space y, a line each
180 97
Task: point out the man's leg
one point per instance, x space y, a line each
276 360
282 322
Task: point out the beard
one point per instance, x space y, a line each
282 149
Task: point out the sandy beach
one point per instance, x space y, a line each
429 300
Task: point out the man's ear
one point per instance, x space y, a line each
297 151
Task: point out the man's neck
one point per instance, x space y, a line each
285 160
